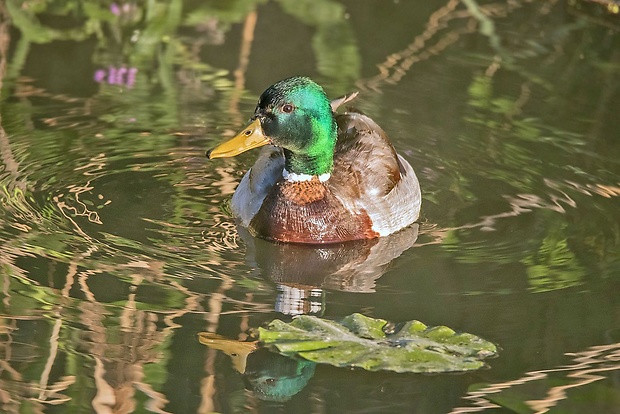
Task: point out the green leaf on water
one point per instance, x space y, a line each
363 342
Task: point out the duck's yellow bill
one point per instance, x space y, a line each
251 137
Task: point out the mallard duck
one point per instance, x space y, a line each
323 177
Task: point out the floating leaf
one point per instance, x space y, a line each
363 342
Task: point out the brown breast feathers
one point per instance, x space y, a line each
307 212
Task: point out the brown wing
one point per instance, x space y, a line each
365 162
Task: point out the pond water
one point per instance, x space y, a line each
118 247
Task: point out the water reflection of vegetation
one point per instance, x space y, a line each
68 279
583 380
503 147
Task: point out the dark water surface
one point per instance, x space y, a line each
117 246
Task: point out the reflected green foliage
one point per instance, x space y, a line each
334 43
24 18
503 146
223 12
486 25
554 266
117 245
74 353
363 342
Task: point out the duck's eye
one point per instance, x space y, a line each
288 108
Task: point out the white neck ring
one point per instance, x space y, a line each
293 177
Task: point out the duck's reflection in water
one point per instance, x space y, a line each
270 376
302 272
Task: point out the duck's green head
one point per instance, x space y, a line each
294 114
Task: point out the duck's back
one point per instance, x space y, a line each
370 176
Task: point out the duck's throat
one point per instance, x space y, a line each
302 167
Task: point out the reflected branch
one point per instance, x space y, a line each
43 383
157 400
477 17
208 387
437 21
589 363
104 400
244 58
5 40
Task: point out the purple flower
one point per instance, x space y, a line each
131 77
99 75
117 76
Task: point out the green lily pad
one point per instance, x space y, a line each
363 342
